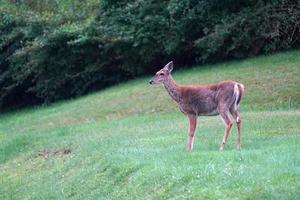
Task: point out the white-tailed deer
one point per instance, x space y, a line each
204 100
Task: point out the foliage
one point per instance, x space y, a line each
53 50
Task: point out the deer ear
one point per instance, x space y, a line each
169 66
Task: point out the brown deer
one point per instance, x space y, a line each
204 100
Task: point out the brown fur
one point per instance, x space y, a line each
204 100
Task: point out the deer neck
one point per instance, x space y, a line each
172 88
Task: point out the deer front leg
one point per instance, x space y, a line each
192 128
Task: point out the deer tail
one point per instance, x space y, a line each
238 93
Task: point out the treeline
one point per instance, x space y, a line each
52 50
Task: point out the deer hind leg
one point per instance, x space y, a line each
192 128
236 116
228 124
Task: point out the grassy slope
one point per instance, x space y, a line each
129 142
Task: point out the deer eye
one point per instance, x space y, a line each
161 74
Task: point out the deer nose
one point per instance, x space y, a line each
150 82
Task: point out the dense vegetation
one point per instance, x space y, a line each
128 141
51 50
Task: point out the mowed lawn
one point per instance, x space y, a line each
128 141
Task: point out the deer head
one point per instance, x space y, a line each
162 74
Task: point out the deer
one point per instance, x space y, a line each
196 100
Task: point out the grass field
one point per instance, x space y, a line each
128 141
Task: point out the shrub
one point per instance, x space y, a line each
51 51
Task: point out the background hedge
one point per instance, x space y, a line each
52 50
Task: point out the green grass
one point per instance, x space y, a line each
128 142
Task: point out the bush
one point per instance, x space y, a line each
54 51
265 29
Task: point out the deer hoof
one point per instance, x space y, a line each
222 146
189 148
238 147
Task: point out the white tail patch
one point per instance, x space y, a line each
236 94
243 88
